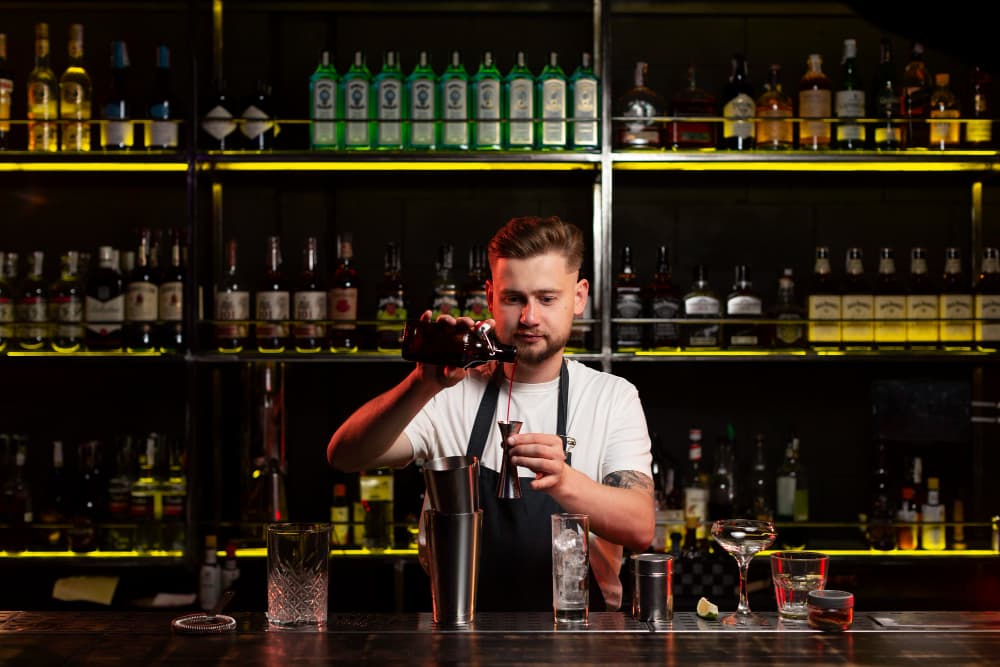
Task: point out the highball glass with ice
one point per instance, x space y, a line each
570 567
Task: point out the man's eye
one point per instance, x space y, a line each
548 299
512 300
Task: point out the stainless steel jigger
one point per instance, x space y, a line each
508 486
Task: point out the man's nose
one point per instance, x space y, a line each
528 313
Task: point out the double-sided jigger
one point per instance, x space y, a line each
508 486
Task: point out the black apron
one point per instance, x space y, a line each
515 564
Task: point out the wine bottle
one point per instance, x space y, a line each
117 130
271 314
343 299
170 309
232 306
141 301
162 110
32 306
67 299
309 302
104 306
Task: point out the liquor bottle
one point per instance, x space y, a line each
387 99
357 83
104 305
173 491
210 576
790 331
696 487
979 122
628 305
232 306
888 132
585 106
663 301
743 303
170 309
955 304
486 105
271 312
343 298
857 309
74 96
761 506
8 279
141 301
986 305
849 101
693 101
162 109
117 130
43 97
721 494
738 108
474 303
889 304
376 495
881 535
444 288
814 103
324 85
551 98
340 517
145 501
218 129
54 505
67 297
916 98
642 104
259 125
390 313
824 304
230 568
519 98
932 516
120 480
18 500
792 492
89 508
700 302
922 331
775 129
944 135
6 93
454 93
32 306
421 97
958 529
908 510
443 344
310 302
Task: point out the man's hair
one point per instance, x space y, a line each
534 235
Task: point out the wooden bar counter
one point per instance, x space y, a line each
146 638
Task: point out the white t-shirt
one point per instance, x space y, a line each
604 416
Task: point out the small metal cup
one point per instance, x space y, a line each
652 587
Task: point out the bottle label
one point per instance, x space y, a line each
665 333
737 112
945 133
116 133
814 104
701 305
585 113
890 313
476 305
824 318
976 131
888 135
6 310
956 318
340 517
521 104
41 101
218 123
141 302
104 317
553 112
987 318
324 108
257 122
789 334
162 134
456 113
376 488
75 136
445 303
171 306
696 507
6 90
272 314
343 305
422 112
390 108
921 318
858 318
232 307
743 305
850 104
775 133
32 313
785 505
488 109
309 308
356 129
392 311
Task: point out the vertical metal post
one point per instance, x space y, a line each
603 306
978 430
217 39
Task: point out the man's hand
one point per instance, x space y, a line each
445 376
542 454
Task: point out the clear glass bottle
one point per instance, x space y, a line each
663 301
881 535
324 103
775 130
444 287
6 93
644 105
376 493
164 128
67 299
422 100
849 101
75 92
387 100
721 494
916 98
552 104
695 102
792 489
485 93
390 312
43 97
117 130
945 134
908 507
791 331
232 305
32 306
628 304
357 83
696 487
519 100
739 108
700 302
815 104
342 305
986 303
922 330
585 106
888 132
955 304
141 301
932 517
454 92
889 304
259 126
743 303
310 302
857 309
761 505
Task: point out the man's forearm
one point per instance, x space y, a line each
621 510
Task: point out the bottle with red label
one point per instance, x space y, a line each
343 299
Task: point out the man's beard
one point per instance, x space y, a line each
537 354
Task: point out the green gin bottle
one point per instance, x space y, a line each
486 105
551 101
387 98
519 105
454 87
585 106
357 83
323 86
421 100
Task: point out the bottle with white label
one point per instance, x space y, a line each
743 303
118 129
324 84
210 576
171 306
932 516
32 306
987 301
585 106
823 304
232 306
309 302
486 105
387 99
815 105
163 125
701 303
453 88
259 127
955 304
104 306
421 100
922 330
66 300
857 305
356 91
272 310
141 301
849 101
551 100
696 486
739 108
889 304
519 106
343 298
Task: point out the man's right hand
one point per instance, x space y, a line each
443 376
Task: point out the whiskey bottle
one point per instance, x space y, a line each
932 516
551 98
986 308
628 305
453 345
700 302
474 302
979 121
104 305
849 101
908 510
357 84
218 129
743 303
663 301
272 311
944 134
775 129
640 106
162 108
789 331
145 497
310 302
67 299
173 490
696 487
324 102
484 90
6 93
117 131
889 304
421 96
857 305
342 304
955 306
693 101
232 306
823 305
8 279
390 313
881 535
444 288
738 108
32 306
387 91
141 301
376 495
585 106
519 100
916 98
259 125
815 104
922 331
454 93
74 96
888 132
43 97
170 309
791 487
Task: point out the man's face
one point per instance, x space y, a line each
533 301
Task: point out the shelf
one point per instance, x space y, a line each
398 161
95 161
805 355
804 161
91 556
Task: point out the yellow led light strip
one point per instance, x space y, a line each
901 553
261 552
64 355
93 554
624 164
405 165
93 166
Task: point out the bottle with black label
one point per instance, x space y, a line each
663 301
104 306
628 305
790 331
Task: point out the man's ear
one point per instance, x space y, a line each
489 294
582 293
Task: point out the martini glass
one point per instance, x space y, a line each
743 538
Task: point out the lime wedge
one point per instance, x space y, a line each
707 610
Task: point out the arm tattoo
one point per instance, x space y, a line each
630 479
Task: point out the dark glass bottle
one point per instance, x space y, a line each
67 302
922 307
474 302
640 105
881 535
391 308
232 305
986 307
170 311
104 306
8 280
849 101
721 496
457 346
54 506
6 90
700 302
32 309
761 503
693 101
890 303
272 304
739 108
955 305
916 98
823 305
163 126
310 302
628 304
857 304
743 303
90 503
141 301
17 500
663 301
343 298
888 132
979 126
444 288
118 131
787 307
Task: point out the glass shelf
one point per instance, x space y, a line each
398 161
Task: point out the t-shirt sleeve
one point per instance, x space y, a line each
420 430
628 441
